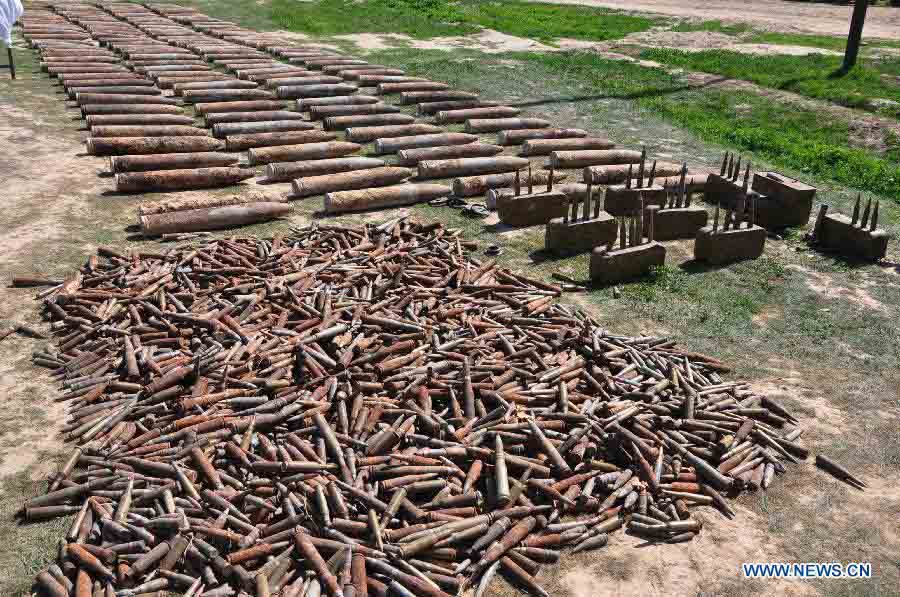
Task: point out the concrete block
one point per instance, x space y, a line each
620 200
839 234
726 246
531 210
609 267
580 236
677 222
787 201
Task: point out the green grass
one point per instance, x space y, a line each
812 75
826 42
430 18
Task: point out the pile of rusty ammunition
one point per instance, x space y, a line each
369 410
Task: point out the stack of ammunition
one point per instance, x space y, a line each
364 410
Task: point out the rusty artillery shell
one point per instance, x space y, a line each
415 97
395 144
145 145
268 116
838 471
180 179
616 174
411 157
123 131
121 98
197 96
389 88
304 105
306 151
74 90
287 171
454 116
517 137
180 88
303 78
305 91
494 125
346 181
212 219
472 186
50 585
366 134
137 119
429 108
170 161
469 166
241 142
238 106
340 123
89 109
582 158
322 112
380 198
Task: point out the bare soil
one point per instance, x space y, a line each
774 15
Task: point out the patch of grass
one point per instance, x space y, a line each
826 42
430 18
418 18
547 22
812 75
713 26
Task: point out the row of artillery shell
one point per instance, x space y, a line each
215 218
238 106
408 98
242 142
179 180
383 197
224 129
287 171
303 91
121 98
538 146
346 181
102 146
170 161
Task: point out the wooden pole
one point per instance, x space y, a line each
854 37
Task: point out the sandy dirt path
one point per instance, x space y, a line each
776 15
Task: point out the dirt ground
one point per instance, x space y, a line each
774 15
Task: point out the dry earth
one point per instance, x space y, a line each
775 15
